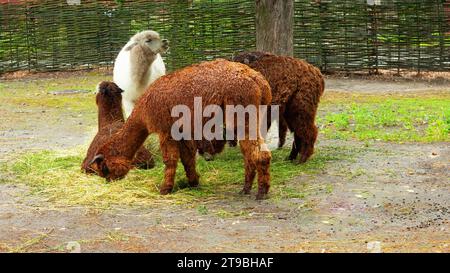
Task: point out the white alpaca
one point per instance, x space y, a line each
138 64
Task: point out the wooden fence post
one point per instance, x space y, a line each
274 26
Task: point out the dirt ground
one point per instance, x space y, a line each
395 194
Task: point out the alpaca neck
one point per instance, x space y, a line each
141 60
108 115
130 138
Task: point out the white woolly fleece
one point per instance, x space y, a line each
122 77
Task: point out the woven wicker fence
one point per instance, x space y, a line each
52 35
390 34
336 35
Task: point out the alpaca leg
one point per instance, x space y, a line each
257 159
187 154
263 168
300 117
170 155
295 147
282 131
304 139
249 150
308 140
268 122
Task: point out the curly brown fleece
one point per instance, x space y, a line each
218 82
296 87
110 121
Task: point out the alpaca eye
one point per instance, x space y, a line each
149 40
105 170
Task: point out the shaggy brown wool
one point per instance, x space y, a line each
296 87
110 121
218 82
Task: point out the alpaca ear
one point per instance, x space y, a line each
100 89
97 88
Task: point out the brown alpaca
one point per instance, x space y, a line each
296 87
110 121
218 82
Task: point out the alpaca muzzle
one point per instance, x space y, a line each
165 44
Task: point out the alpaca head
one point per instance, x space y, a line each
110 167
208 148
108 93
249 57
150 41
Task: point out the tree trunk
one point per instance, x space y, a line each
274 26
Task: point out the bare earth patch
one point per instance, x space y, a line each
397 194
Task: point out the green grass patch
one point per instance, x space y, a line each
396 118
38 92
57 176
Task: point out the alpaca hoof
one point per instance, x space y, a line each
290 158
165 191
194 183
261 196
244 191
302 160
